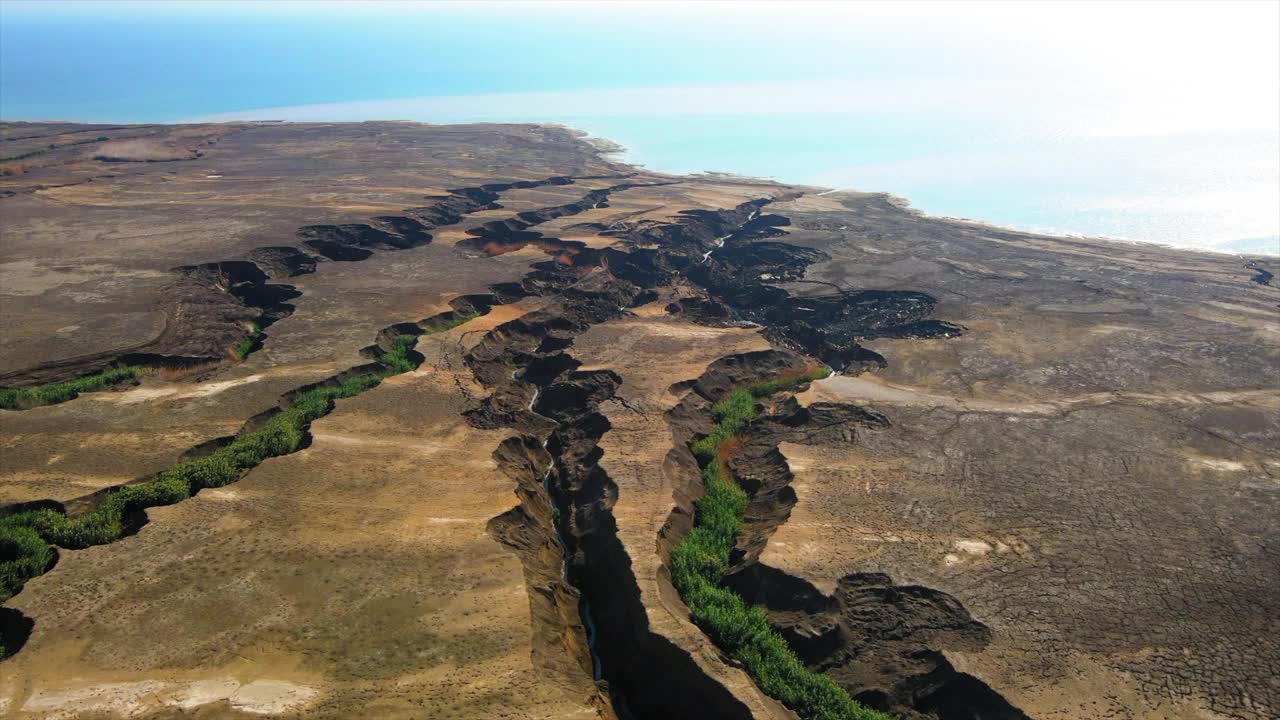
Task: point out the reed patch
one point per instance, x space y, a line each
700 560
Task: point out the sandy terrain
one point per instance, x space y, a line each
374 590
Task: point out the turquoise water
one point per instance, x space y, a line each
1114 120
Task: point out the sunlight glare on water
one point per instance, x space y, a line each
1144 121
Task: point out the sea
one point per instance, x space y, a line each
1146 122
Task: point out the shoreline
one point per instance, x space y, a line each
615 152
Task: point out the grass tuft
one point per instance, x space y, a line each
241 350
698 563
53 393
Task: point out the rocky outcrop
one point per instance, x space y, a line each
881 641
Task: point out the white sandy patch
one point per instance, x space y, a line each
1104 329
872 389
972 547
146 394
272 697
964 550
213 388
136 395
203 692
127 699
1220 464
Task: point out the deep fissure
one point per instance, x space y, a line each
590 597
536 387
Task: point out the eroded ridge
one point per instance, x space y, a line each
218 311
589 608
737 268
881 642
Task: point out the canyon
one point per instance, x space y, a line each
987 474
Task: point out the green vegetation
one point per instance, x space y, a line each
31 154
18 398
242 349
26 538
698 563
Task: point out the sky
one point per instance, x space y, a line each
1152 121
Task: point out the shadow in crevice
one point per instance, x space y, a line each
650 676
15 630
881 641
583 596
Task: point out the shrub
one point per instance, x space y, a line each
400 358
790 381
700 560
23 555
241 350
19 398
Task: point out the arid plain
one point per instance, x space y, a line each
1042 481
